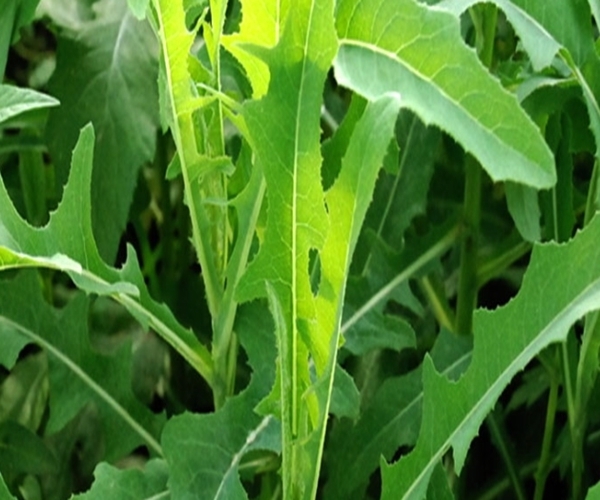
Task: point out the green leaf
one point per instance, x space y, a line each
417 51
22 451
24 392
391 420
138 7
284 131
67 243
523 206
14 101
594 492
78 375
133 484
260 29
551 299
106 73
204 451
15 15
4 493
345 398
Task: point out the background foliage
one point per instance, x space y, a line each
314 249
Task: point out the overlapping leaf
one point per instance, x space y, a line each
78 375
67 243
417 51
106 73
204 451
551 299
391 420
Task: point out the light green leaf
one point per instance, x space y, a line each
138 7
548 29
523 206
417 51
15 101
129 484
594 492
551 299
67 243
106 73
284 132
78 375
260 29
4 493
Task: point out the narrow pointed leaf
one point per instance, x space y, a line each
551 299
417 51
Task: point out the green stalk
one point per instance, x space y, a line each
484 20
544 465
467 282
499 436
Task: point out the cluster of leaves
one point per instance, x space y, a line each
243 245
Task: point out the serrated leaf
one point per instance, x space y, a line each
69 233
15 101
133 484
551 299
417 51
106 73
78 375
391 420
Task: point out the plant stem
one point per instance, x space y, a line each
467 283
499 436
546 457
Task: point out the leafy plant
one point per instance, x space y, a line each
312 249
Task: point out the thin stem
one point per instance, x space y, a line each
499 436
467 283
546 457
438 302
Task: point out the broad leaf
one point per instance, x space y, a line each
551 299
78 375
417 51
106 73
67 243
129 484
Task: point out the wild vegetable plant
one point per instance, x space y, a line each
278 219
